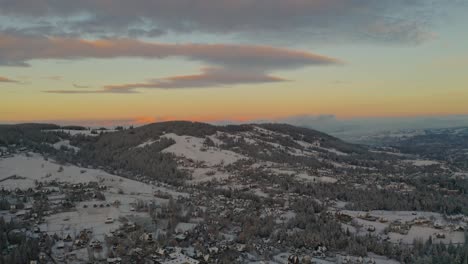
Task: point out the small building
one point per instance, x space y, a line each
60 245
114 260
68 238
177 258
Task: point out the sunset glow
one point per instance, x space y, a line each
232 65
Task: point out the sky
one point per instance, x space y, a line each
142 61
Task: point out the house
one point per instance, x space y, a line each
96 244
161 252
293 259
67 238
180 237
114 260
147 237
213 250
60 245
383 220
21 214
241 247
438 225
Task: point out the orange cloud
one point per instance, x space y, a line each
7 80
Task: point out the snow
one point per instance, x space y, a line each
179 258
89 218
65 143
309 178
420 162
423 233
461 174
34 168
146 143
391 153
337 152
206 174
192 148
260 193
415 232
75 132
316 144
304 176
183 227
308 145
405 216
215 138
264 131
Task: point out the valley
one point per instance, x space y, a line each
187 192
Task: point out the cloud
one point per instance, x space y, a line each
19 49
209 77
80 86
228 64
313 19
7 80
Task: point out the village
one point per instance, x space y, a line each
94 222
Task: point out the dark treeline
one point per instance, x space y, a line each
15 246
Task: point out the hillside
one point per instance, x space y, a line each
254 192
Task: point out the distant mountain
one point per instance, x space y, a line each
447 144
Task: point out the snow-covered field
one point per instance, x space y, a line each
65 143
282 258
422 232
420 162
101 217
33 167
304 176
192 148
207 174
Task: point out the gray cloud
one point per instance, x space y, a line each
229 64
407 21
209 77
19 49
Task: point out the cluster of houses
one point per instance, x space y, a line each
11 151
452 223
